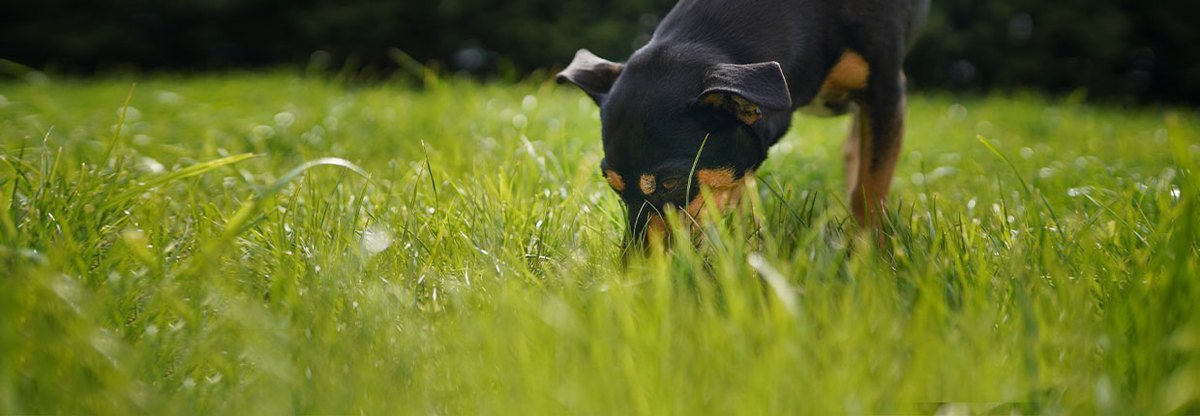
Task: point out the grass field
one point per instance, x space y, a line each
198 252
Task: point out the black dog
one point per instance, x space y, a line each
728 74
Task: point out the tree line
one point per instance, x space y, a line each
1137 50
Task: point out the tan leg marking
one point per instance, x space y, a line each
872 176
850 150
848 75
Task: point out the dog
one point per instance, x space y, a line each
699 106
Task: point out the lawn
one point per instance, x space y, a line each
264 244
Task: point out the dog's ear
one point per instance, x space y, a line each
592 74
746 90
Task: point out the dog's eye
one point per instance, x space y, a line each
670 184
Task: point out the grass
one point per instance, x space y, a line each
460 255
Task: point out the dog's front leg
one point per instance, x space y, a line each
873 148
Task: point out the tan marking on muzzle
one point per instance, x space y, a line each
715 178
647 184
724 189
615 180
656 230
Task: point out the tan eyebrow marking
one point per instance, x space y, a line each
614 180
647 183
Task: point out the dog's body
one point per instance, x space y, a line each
727 75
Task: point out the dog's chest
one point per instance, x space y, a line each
836 97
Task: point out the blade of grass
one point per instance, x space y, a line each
1025 186
190 171
112 144
237 223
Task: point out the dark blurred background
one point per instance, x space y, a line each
1135 50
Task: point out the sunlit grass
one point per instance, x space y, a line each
1043 257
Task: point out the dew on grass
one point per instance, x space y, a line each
376 239
1046 172
950 158
956 112
284 119
783 148
918 179
1081 162
985 128
105 344
142 140
1175 193
1168 175
1161 136
520 121
168 98
263 132
3 101
315 135
1052 115
131 113
148 164
1026 153
69 291
1104 393
529 103
941 172
487 144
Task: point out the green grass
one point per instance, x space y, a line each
186 265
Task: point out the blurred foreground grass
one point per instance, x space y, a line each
186 267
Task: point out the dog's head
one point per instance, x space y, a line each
676 127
